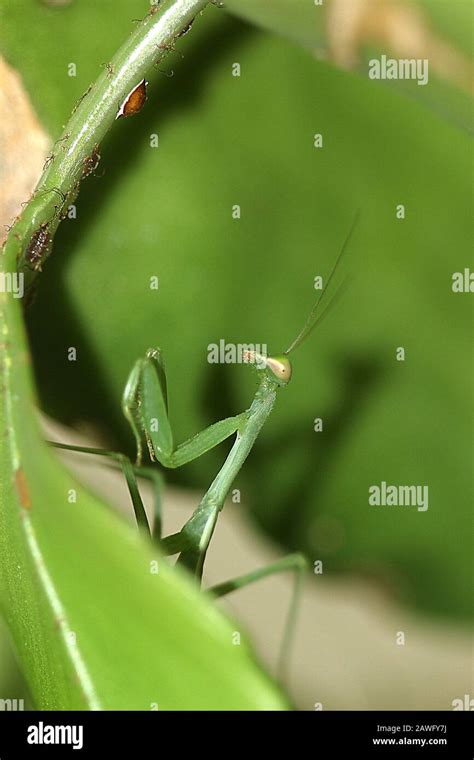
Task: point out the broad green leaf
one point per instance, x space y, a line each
306 22
351 34
249 140
302 21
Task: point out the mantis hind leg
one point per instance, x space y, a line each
295 563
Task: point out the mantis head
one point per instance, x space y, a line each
277 368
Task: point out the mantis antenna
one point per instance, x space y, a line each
316 315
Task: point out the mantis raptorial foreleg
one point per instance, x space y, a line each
145 405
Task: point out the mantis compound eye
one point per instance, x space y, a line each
281 368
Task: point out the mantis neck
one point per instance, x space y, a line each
261 407
200 526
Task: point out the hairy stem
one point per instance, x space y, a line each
29 240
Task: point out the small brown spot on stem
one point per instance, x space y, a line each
154 8
38 246
167 47
91 162
134 101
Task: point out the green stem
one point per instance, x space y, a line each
90 121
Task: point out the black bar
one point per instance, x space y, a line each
317 734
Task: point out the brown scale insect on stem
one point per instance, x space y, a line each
168 47
91 162
38 246
154 8
134 101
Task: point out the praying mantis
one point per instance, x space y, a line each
145 406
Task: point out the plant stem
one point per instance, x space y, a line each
93 116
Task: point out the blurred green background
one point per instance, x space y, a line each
167 212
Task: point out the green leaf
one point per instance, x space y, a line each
350 35
306 21
301 21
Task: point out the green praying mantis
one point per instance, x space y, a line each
145 406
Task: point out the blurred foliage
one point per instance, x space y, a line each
248 140
305 22
351 32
